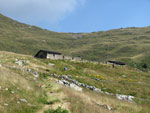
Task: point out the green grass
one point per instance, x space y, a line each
128 44
44 94
111 79
58 110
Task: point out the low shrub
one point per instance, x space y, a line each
58 110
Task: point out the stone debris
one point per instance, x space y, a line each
36 75
51 65
5 104
66 80
124 76
125 97
28 70
6 89
0 65
93 88
75 87
20 62
0 87
68 84
12 92
23 100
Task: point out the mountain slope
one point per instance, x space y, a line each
22 91
130 44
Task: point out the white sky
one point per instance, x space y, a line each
36 11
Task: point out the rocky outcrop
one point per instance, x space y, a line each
68 84
125 97
34 73
20 62
93 88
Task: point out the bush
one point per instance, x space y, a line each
58 110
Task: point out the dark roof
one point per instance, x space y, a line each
45 51
50 52
116 62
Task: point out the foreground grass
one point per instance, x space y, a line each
44 94
118 80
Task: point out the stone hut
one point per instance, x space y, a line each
49 54
117 63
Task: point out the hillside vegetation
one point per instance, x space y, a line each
130 45
22 91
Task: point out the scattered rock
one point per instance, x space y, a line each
28 70
0 87
53 75
20 62
12 92
71 85
5 104
6 89
36 74
77 88
124 76
68 81
51 65
65 68
23 100
125 97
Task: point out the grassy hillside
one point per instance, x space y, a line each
22 92
130 44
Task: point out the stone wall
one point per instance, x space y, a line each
61 57
54 57
68 58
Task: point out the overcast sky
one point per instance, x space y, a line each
78 15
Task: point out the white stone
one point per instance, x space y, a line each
77 88
5 104
23 100
60 82
125 97
51 65
36 75
12 92
124 76
20 62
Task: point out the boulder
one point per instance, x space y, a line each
77 88
125 97
36 75
51 65
23 100
20 62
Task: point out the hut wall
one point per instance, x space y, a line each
58 57
67 58
54 56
